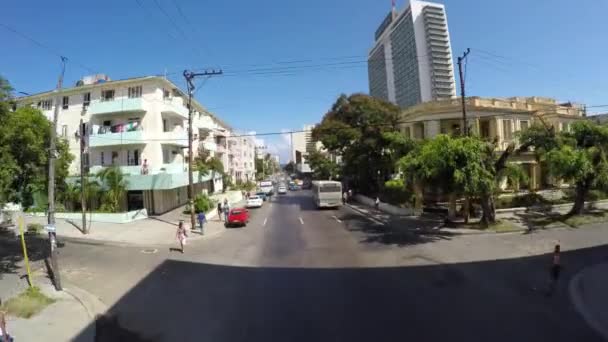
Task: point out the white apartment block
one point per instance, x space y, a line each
139 125
242 158
411 60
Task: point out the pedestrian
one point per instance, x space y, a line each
350 194
377 203
181 235
201 221
556 269
219 211
4 336
344 197
226 210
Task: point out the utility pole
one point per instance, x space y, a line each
83 206
51 185
189 76
465 127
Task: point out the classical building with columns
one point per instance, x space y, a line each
494 118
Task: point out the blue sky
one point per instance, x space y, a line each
550 48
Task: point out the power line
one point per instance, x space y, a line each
44 46
187 21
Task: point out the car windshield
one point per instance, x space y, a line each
323 170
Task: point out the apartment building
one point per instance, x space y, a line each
242 158
494 119
139 125
411 60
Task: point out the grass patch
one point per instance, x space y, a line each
28 303
588 218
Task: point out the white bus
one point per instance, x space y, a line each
327 194
266 187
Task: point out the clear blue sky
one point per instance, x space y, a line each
553 48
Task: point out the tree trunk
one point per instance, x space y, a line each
451 206
579 199
466 208
489 212
418 197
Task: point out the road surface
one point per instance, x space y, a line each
299 274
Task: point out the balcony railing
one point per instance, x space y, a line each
121 138
116 106
152 170
177 138
175 108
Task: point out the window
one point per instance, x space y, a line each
45 104
507 130
107 95
101 156
523 125
86 99
165 125
133 157
64 131
114 157
166 94
134 92
65 102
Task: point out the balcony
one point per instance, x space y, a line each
176 138
174 108
117 106
121 138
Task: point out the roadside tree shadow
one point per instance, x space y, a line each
11 251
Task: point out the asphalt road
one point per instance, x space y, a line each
299 274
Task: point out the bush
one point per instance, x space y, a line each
34 228
527 200
202 203
395 192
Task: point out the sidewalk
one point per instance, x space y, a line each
425 222
72 315
588 293
153 231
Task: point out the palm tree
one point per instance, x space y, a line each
115 187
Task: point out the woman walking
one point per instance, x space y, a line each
181 235
219 211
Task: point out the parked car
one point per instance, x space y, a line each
255 202
238 217
262 195
282 190
294 187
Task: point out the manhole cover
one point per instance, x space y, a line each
149 251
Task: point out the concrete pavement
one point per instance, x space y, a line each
296 273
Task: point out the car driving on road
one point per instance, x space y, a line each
255 202
238 217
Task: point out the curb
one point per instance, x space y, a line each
575 288
92 305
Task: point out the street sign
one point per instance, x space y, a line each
50 228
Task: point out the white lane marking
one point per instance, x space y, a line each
337 219
266 219
301 221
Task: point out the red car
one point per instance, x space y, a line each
238 216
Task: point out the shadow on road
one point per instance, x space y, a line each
476 301
11 251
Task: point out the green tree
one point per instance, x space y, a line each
24 141
581 157
115 188
356 128
322 167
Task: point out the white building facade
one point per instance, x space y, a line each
411 60
242 158
140 126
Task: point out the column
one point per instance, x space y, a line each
534 175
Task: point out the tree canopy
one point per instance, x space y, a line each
322 167
355 128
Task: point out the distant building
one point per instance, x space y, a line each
494 119
242 158
411 60
599 118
